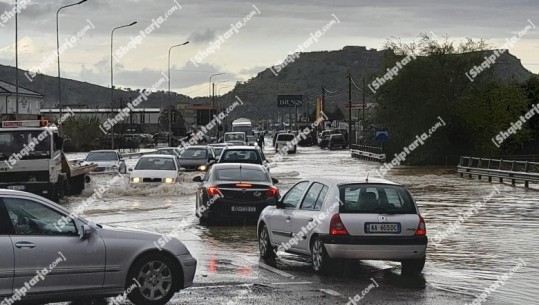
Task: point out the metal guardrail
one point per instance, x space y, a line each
498 168
369 153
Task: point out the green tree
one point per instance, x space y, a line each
82 131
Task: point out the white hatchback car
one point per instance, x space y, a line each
329 219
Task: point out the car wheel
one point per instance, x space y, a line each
155 279
320 258
412 266
267 251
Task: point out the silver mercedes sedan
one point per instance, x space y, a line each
48 254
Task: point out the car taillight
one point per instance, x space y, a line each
422 228
213 191
272 192
336 227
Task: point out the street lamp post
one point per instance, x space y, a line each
58 56
169 103
210 93
112 73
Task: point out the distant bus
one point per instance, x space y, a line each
242 125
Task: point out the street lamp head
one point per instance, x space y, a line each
185 43
82 2
132 23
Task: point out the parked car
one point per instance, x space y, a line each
243 154
234 191
323 139
108 161
36 233
336 140
155 170
373 219
197 158
285 139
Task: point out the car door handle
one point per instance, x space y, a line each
288 218
25 244
311 219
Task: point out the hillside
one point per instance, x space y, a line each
305 76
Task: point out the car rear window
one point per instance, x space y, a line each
194 153
370 198
243 175
241 156
285 137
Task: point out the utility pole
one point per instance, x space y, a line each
364 109
16 61
212 104
349 108
323 106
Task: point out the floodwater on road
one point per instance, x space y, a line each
498 243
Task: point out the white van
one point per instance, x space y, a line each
285 139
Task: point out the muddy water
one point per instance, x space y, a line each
502 234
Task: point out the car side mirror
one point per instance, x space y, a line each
183 169
280 204
85 231
130 169
275 181
197 179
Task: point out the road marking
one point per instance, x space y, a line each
331 292
275 270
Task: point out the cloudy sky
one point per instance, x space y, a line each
274 29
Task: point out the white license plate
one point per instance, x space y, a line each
383 228
17 187
243 209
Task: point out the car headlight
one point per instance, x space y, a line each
202 168
169 180
136 180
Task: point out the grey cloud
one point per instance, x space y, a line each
202 36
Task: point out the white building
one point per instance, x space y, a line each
29 101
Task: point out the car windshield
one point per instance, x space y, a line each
285 137
243 175
240 156
218 150
13 142
155 163
194 153
370 198
102 156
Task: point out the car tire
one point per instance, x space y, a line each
412 266
152 273
319 256
265 247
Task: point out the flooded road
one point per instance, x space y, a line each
499 237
